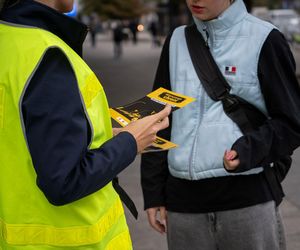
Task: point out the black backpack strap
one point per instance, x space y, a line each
205 65
231 105
213 80
125 198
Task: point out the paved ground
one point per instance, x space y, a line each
296 51
130 78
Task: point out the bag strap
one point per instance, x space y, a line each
125 198
207 70
213 80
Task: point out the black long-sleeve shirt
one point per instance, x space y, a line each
277 137
57 130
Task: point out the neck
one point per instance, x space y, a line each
227 4
224 7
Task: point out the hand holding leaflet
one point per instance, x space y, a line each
144 130
149 105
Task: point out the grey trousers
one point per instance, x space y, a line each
252 228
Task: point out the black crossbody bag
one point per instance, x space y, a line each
245 115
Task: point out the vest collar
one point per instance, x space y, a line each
32 13
231 16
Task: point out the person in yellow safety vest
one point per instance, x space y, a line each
58 155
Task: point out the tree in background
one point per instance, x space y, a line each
114 9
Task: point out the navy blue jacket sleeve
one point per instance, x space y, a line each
280 135
58 135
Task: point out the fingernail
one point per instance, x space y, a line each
229 156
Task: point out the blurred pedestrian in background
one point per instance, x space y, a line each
153 28
200 196
118 37
58 156
94 27
133 24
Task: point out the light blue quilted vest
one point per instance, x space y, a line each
202 129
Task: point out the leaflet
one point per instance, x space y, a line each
150 104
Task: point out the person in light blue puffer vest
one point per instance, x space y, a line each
211 192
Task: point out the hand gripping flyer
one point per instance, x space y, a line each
149 105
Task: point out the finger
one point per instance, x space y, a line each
152 217
230 155
163 218
227 155
163 124
232 165
233 155
159 227
162 114
154 223
226 152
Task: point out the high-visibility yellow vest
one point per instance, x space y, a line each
27 220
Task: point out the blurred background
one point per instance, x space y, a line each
164 15
123 48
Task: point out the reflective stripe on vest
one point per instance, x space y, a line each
69 236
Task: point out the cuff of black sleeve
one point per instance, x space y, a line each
243 155
130 140
156 203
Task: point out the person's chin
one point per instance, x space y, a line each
202 17
65 9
